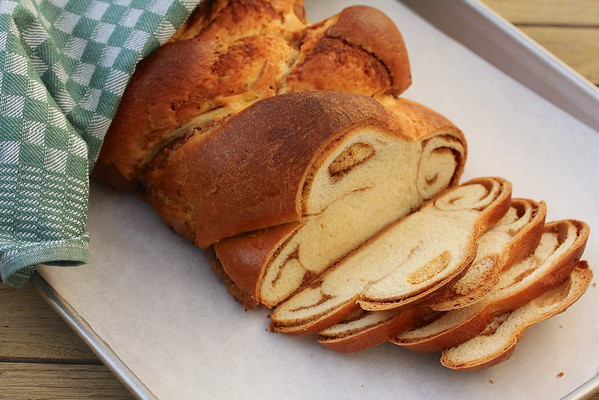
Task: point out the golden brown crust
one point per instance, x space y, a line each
373 31
373 336
252 168
177 83
360 50
243 256
570 291
225 69
230 20
416 121
242 297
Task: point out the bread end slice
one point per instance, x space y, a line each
497 343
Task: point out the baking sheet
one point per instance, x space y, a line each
151 297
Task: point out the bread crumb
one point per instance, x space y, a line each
560 374
491 381
594 284
362 385
311 355
561 326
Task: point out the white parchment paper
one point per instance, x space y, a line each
152 297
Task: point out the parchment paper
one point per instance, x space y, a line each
152 297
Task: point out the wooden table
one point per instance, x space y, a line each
41 358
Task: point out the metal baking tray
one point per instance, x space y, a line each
485 33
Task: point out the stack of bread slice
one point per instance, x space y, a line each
281 148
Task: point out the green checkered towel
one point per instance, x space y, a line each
64 65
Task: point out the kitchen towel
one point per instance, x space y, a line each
64 65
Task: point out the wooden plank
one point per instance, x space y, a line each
30 329
577 47
548 12
59 381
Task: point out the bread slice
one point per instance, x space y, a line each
416 256
514 237
498 340
365 329
554 259
364 180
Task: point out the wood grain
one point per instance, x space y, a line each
58 381
29 328
548 12
41 358
577 47
567 28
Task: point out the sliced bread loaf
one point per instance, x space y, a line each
430 247
514 237
553 260
497 342
361 179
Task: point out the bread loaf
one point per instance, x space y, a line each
513 238
557 254
239 134
497 342
331 165
405 263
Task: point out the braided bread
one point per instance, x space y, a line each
281 148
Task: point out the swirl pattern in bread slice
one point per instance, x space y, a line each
430 247
514 237
479 204
497 342
553 260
